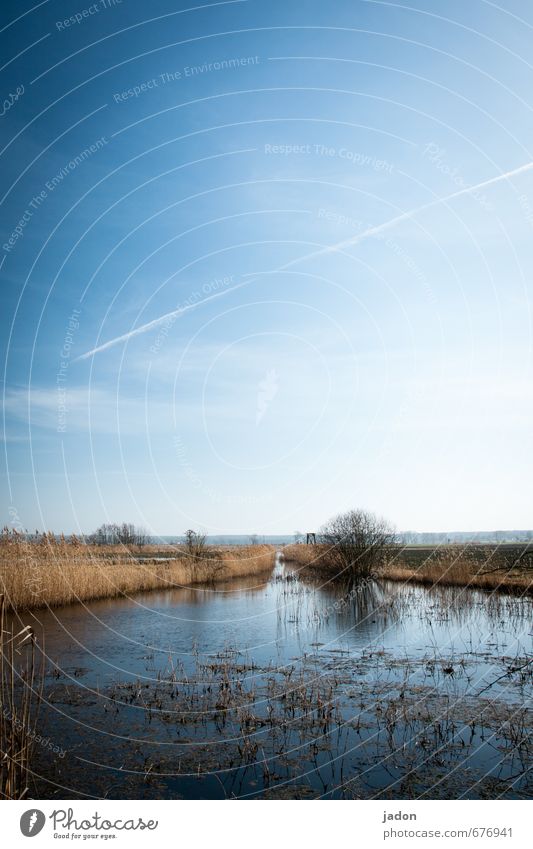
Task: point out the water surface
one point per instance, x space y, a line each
276 687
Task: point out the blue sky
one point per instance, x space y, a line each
193 163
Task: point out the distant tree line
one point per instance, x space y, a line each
123 534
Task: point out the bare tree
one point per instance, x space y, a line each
114 534
106 534
126 534
141 536
196 543
357 542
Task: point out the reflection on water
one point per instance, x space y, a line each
276 687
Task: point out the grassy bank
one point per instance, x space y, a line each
52 572
508 568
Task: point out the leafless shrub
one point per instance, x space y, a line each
356 544
196 544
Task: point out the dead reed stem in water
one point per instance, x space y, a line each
20 696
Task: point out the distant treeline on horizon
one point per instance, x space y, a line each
404 538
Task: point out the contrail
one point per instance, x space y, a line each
169 316
379 228
353 240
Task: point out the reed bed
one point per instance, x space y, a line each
479 567
305 556
21 678
55 572
453 569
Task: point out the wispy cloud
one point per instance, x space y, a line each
98 410
346 243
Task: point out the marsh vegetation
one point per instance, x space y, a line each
352 668
56 571
506 567
21 680
282 686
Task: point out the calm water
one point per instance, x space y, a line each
276 688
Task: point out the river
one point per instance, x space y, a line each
281 688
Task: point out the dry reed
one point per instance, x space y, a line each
450 565
456 566
20 695
54 572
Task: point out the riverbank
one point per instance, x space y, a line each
505 568
54 572
287 690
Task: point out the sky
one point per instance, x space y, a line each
265 262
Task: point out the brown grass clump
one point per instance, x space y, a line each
313 556
314 561
54 572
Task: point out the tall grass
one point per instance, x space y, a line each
307 556
450 565
455 565
55 572
20 694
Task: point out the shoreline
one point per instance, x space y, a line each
450 566
58 573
